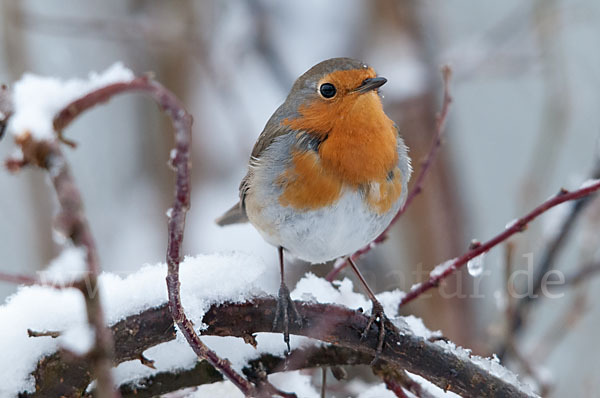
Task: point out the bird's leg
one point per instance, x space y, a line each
377 314
285 305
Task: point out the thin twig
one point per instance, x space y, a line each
548 260
72 221
47 333
581 275
20 279
516 226
181 162
418 186
27 280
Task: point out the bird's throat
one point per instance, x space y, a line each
362 144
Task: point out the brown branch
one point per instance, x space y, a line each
72 221
405 350
418 186
6 108
47 333
518 225
581 275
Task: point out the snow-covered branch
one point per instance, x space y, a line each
72 223
447 366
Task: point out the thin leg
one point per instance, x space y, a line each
377 314
285 305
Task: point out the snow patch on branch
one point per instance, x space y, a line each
206 280
68 267
490 365
78 340
37 99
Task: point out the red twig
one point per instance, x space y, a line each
181 162
19 279
27 280
418 186
518 225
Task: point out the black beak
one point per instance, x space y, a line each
371 84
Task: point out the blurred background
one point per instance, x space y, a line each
524 123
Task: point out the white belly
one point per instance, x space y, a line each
319 235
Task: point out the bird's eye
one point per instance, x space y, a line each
327 90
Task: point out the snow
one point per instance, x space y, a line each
295 381
220 389
377 391
315 289
206 280
68 267
37 99
78 340
431 388
511 223
442 268
40 309
589 183
416 326
490 365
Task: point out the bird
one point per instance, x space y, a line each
326 176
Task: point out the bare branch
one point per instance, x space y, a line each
332 324
518 225
72 221
548 260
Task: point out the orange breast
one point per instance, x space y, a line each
382 195
358 150
361 141
307 185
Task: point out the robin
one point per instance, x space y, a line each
326 176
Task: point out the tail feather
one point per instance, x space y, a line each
235 215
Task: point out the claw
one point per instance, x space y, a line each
285 305
378 317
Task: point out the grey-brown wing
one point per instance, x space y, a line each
273 129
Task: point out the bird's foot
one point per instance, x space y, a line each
378 317
285 313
